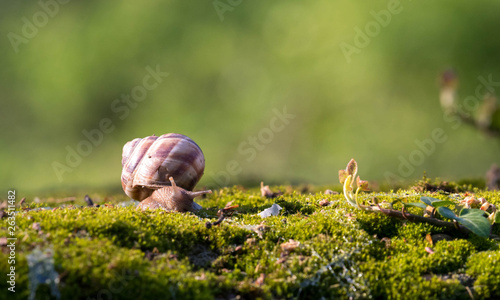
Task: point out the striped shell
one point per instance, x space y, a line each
149 162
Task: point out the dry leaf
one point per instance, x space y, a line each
266 192
324 202
260 280
260 229
290 245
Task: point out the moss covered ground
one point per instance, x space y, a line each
308 251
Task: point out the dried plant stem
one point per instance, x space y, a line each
209 224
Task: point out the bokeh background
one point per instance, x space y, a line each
230 63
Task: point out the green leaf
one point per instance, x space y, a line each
474 220
428 200
446 212
415 204
436 202
468 211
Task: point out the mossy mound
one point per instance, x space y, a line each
115 252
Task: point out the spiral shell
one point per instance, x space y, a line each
149 162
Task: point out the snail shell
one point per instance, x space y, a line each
148 164
172 198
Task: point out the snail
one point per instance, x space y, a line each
162 171
172 198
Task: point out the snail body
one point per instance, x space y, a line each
172 198
162 171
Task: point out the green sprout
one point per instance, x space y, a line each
466 219
346 177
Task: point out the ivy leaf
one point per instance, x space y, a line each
428 200
446 212
474 220
467 211
471 219
436 202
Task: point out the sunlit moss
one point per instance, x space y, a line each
342 252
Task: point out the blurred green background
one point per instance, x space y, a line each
230 63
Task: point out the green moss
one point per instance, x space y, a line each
118 252
485 266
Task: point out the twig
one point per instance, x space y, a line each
227 211
209 224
